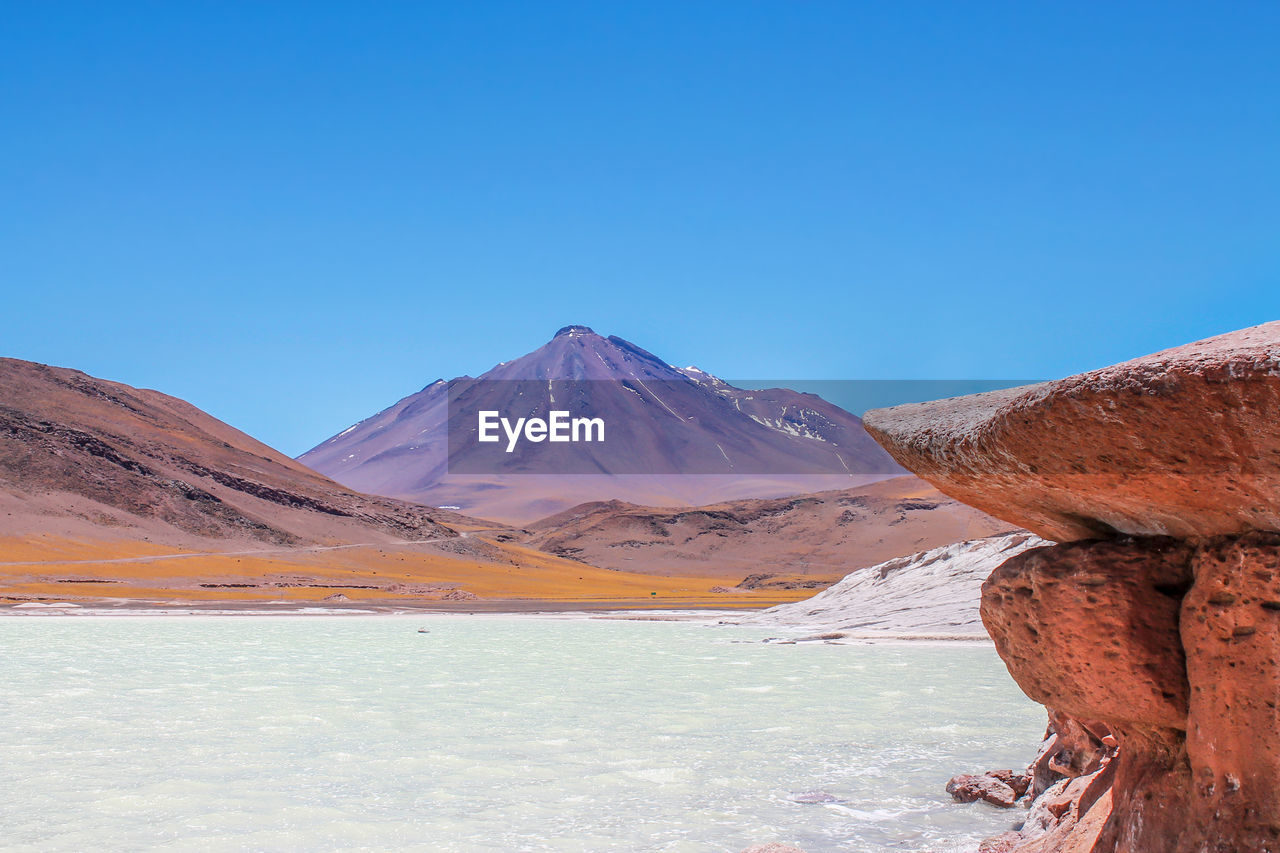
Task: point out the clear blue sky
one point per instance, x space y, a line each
292 214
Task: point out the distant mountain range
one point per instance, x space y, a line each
114 493
679 436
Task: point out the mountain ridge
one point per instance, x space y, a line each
822 535
153 462
678 437
117 496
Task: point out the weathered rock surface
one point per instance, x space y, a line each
1185 760
1231 627
88 459
935 592
1162 653
1002 843
1079 747
1154 630
986 787
1091 628
1068 789
1180 443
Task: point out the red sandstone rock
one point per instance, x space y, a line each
1231 622
1082 745
1181 443
1066 811
1091 629
1042 773
969 789
1002 843
1074 832
1097 629
1151 808
1164 627
1019 782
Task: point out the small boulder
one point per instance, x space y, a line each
968 789
1019 782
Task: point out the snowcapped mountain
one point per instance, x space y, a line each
677 436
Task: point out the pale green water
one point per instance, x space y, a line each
489 734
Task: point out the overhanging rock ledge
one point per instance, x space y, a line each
1156 620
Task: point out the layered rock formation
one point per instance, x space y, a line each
1152 630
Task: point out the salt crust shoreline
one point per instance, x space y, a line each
709 618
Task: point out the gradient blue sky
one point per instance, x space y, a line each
292 214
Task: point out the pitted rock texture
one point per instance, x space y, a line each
1150 794
1231 624
1092 628
1160 616
1181 443
1161 660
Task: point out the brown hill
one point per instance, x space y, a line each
111 492
819 537
108 491
80 455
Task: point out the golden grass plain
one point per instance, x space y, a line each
48 568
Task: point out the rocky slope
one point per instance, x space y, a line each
933 593
84 456
817 536
1154 625
676 437
111 493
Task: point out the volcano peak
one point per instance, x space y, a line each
575 331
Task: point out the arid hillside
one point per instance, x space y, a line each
109 492
814 539
88 458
